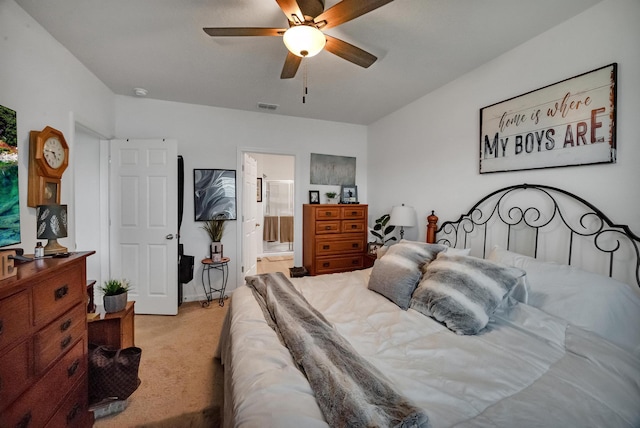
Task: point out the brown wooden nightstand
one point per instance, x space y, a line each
369 260
115 329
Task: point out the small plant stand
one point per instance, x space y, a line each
222 266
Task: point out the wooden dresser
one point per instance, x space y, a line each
43 345
334 237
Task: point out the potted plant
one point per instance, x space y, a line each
215 230
115 293
332 197
381 230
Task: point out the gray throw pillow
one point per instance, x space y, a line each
463 291
397 273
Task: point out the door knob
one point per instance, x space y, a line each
169 236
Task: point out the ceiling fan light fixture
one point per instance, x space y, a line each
304 40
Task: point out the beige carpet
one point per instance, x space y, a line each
181 380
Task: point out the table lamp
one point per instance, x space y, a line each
52 224
402 216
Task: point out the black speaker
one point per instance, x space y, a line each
186 269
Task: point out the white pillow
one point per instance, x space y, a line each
597 303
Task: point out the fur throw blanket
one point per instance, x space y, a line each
350 391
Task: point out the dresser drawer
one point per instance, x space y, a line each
350 226
339 264
14 317
327 247
14 373
57 294
324 227
39 403
57 338
327 213
74 412
353 212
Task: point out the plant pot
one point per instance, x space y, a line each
332 200
115 303
215 247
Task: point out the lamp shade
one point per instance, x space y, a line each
52 221
304 40
402 215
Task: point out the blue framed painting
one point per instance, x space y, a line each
9 197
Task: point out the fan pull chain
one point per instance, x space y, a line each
304 83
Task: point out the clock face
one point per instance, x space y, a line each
53 152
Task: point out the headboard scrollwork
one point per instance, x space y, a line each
551 224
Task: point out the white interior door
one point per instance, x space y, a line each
249 215
144 222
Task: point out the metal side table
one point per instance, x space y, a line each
207 266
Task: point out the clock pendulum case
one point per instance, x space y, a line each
48 159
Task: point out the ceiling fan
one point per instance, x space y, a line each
303 38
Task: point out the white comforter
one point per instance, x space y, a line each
527 369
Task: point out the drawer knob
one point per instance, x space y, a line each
354 262
73 412
59 293
73 368
355 245
25 421
354 226
327 228
65 342
354 213
326 247
326 264
65 325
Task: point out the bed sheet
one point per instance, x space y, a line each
527 368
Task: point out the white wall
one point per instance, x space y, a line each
210 137
47 86
426 154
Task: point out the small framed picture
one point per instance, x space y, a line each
349 194
314 196
373 247
259 189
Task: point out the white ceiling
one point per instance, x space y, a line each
421 45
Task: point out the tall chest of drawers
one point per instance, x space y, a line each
43 345
334 237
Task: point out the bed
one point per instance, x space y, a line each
525 311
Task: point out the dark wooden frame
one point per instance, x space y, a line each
259 189
313 200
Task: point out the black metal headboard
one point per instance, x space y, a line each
549 223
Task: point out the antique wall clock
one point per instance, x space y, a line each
48 159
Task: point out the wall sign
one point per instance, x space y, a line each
572 122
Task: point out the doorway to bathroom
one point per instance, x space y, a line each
275 211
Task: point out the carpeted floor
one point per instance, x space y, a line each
181 380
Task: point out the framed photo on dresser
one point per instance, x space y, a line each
349 194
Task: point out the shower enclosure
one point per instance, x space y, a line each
278 209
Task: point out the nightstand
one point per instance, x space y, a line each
115 329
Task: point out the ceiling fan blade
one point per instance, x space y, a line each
291 65
349 52
290 8
244 31
347 10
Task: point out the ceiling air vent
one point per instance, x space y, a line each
266 106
